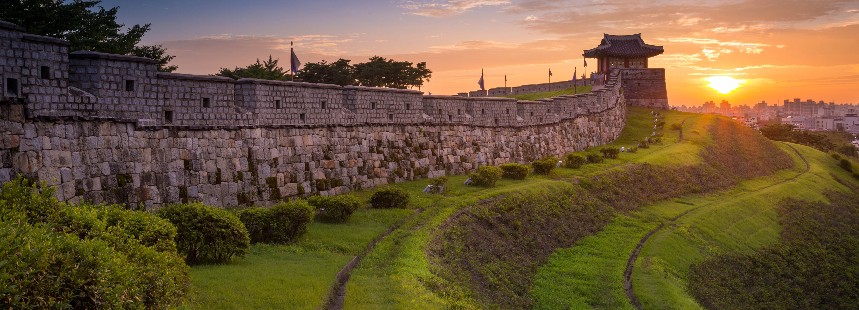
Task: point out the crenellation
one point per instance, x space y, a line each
110 128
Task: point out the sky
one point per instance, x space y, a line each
779 49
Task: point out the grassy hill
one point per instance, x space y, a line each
550 94
555 241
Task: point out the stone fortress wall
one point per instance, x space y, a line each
643 87
111 128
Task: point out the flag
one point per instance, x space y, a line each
586 62
505 78
480 81
294 63
550 71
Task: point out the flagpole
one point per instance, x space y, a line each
291 76
550 77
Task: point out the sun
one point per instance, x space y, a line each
724 84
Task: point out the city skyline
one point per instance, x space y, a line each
779 50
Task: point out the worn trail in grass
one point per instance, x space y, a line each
590 274
296 276
397 273
739 224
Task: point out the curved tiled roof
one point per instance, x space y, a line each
623 46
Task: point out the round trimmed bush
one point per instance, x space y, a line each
573 161
390 197
594 158
610 152
290 220
545 165
514 171
334 209
206 234
256 221
486 176
282 223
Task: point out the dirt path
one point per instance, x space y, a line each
630 262
337 295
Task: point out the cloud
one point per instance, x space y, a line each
531 18
447 7
472 45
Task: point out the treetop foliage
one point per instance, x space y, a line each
266 70
377 72
86 25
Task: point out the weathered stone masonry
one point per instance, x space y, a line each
110 128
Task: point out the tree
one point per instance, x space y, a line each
266 70
339 72
84 26
381 72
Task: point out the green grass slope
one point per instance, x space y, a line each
550 94
399 274
738 220
296 276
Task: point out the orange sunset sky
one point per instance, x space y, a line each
780 49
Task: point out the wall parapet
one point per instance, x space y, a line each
111 128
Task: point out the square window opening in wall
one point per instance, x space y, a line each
408 106
12 87
301 117
458 112
373 105
496 121
390 117
439 111
482 111
207 102
168 117
450 118
45 72
129 85
532 113
277 104
508 110
324 104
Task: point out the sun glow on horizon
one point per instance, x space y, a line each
724 84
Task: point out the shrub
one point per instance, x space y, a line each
44 269
643 144
256 220
845 164
34 201
439 181
290 219
632 149
79 256
282 223
610 152
545 165
334 209
847 149
514 171
437 185
574 161
206 234
676 126
594 158
390 197
486 176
